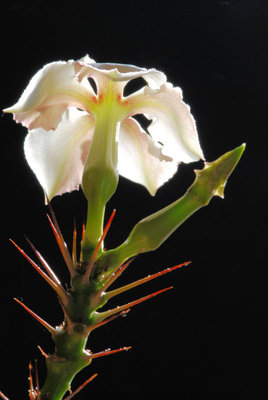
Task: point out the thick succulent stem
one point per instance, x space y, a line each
60 373
70 340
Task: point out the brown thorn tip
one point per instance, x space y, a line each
39 319
106 321
60 240
74 245
30 375
42 351
50 281
36 376
105 231
83 231
133 303
117 273
49 270
81 387
143 280
97 248
32 392
108 352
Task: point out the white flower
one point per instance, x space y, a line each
63 114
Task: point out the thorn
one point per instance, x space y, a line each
83 231
63 247
42 351
118 309
60 240
106 321
31 387
116 274
67 317
74 245
108 352
36 377
143 280
49 270
39 319
96 251
33 394
4 397
82 237
51 282
107 226
81 387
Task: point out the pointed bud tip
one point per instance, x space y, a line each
229 162
215 174
237 152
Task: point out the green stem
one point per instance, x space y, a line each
151 232
100 179
70 340
60 374
69 358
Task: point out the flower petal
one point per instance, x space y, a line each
172 125
58 157
86 68
50 92
140 159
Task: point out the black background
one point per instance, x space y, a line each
208 335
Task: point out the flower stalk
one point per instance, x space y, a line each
152 231
100 177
